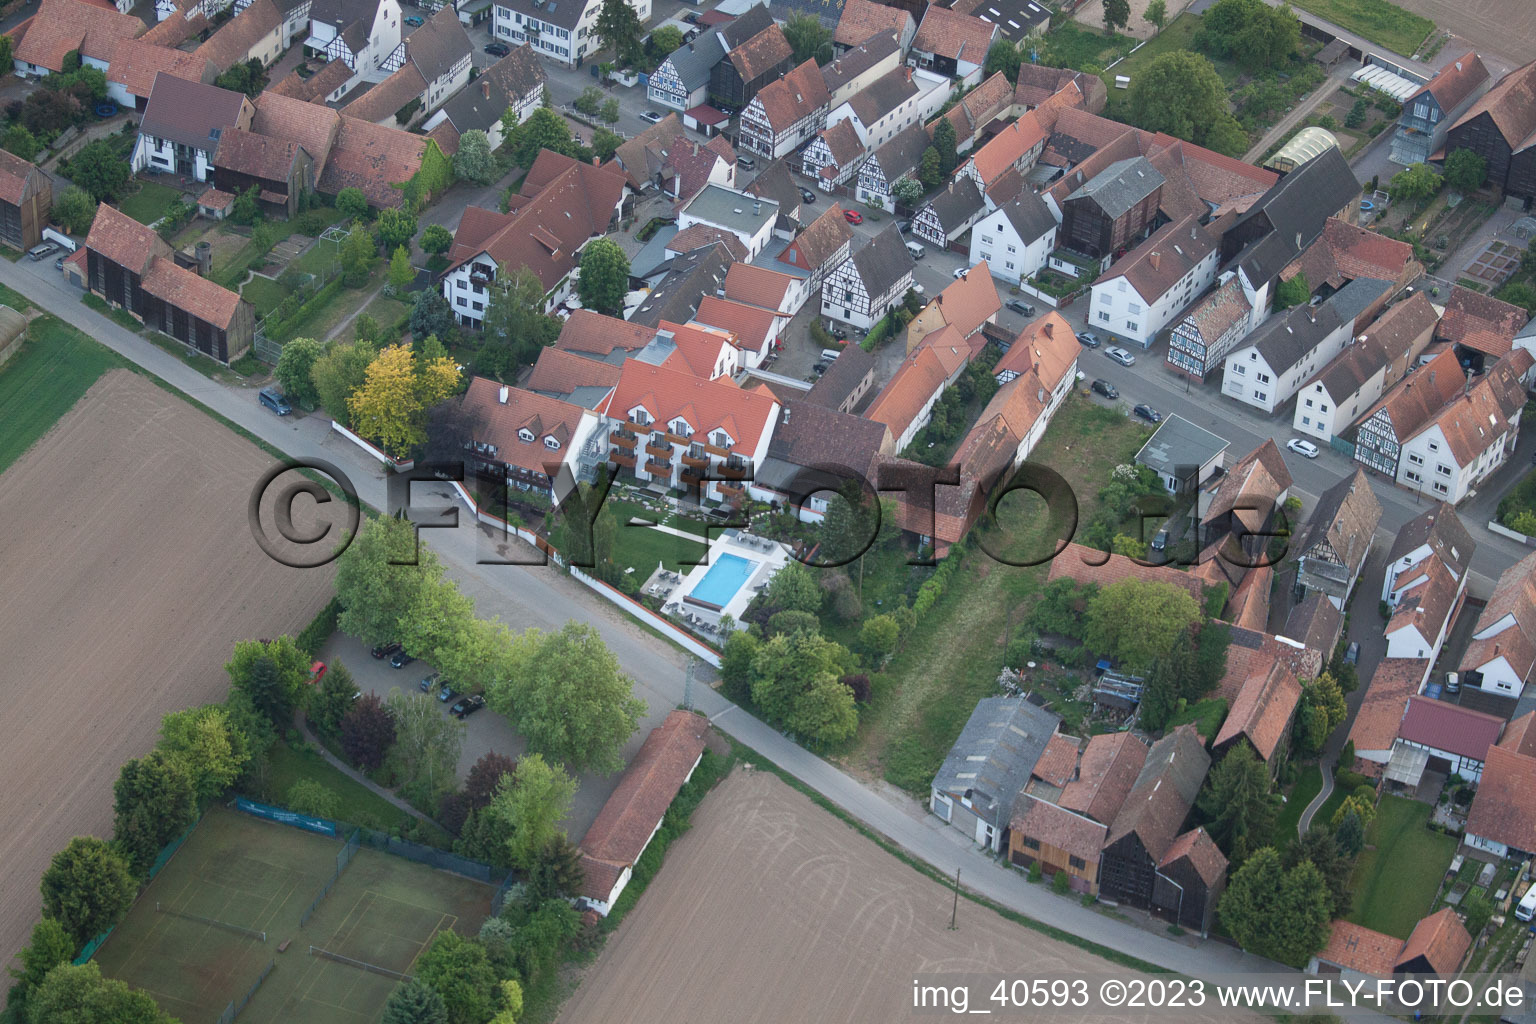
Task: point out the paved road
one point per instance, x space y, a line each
537 596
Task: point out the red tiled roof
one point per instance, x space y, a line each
233 41
1515 597
1058 760
1480 322
1358 948
1046 346
1519 736
698 349
1511 105
697 236
214 199
919 378
826 238
1434 723
1263 709
311 125
257 155
1385 700
945 33
390 95
1007 147
600 335
627 821
760 53
1203 854
185 290
1474 421
135 63
1345 251
794 96
1249 604
751 325
374 158
1057 827
187 21
1504 809
1105 775
1453 83
1161 262
863 18
1417 397
317 86
1088 565
124 240
1429 593
970 300
64 25
561 371
706 405
1441 939
543 416
757 286
14 172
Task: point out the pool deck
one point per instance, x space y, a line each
766 557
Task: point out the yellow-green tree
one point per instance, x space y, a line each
391 406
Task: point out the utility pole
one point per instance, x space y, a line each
688 684
955 909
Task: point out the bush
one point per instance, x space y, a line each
313 798
1060 883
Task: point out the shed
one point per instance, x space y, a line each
1182 454
13 331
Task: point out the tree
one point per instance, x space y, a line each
809 39
1478 909
474 160
1349 833
1465 171
1294 291
425 754
1003 57
339 373
313 798
47 113
879 637
515 328
273 674
787 667
930 168
604 277
415 1002
1167 684
431 315
98 169
295 370
794 588
1415 182
437 239
401 273
618 27
249 77
908 191
209 747
73 994
379 577
50 946
352 203
1270 36
1134 621
1274 912
87 888
367 733
1320 848
20 141
1180 93
944 141
1156 13
484 777
1361 808
605 143
609 111
458 970
332 699
530 804
666 39
736 666
1322 710
569 698
391 406
511 1003
358 254
558 872
1117 14
75 209
394 228
1237 805
544 129
824 712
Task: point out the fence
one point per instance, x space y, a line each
308 822
236 1006
250 933
428 855
499 898
360 964
161 860
343 858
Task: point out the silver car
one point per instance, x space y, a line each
1120 355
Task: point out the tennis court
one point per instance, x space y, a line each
193 940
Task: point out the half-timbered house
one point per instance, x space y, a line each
833 156
1403 410
864 287
786 113
889 164
948 215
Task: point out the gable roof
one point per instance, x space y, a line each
374 158
1057 761
900 156
394 93
232 42
311 125
1504 809
256 155
864 18
124 240
995 753
1519 736
591 332
794 96
14 172
864 56
1313 621
1008 147
1161 262
1285 338
756 286
1391 337
1057 826
946 33
1478 418
1450 727
1358 948
1511 105
688 277
1106 773
135 63
1204 856
317 86
815 436
981 106
822 239
1263 709
749 326
1164 792
699 236
759 54
1346 517
1480 322
438 44
1426 389
561 373
1442 530
1257 479
186 290
1120 186
884 95
1345 251
1455 82
1029 216
957 204
919 377
523 410
1441 939
1296 209
883 261
1514 597
192 113
1386 698
629 818
842 141
707 405
64 25
846 373
968 301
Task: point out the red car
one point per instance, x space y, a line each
316 672
853 216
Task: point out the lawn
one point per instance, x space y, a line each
386 311
263 293
1309 783
1383 23
116 314
150 202
923 698
1178 34
41 382
1073 46
17 301
359 805
640 547
1400 870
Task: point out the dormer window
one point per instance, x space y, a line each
525 435
722 439
641 417
681 427
551 443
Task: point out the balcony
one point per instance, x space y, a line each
691 476
624 439
481 276
620 457
735 469
660 449
730 492
659 467
696 456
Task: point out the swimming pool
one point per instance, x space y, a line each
728 575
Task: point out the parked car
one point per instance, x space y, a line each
853 217
316 672
1160 539
400 659
1105 388
746 163
1020 307
651 117
1088 339
903 226
466 706
58 264
273 399
821 368
413 21
1352 654
427 682
1306 449
1148 413
42 250
446 693
691 18
498 49
1120 355
385 650
808 195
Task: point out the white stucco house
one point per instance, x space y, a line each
1015 238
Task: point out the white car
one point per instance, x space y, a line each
1306 449
651 116
1120 355
1526 908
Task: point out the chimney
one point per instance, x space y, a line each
597 162
908 71
1155 258
485 88
1049 329
757 209
501 395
